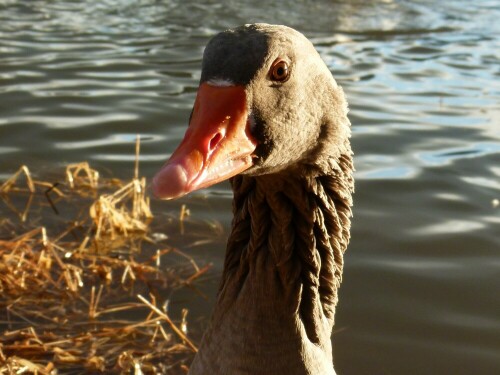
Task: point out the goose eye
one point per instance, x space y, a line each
280 71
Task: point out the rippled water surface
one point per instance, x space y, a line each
421 290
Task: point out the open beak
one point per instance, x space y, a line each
217 144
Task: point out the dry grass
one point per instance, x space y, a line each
79 298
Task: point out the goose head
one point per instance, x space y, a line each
266 104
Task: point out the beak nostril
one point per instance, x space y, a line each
214 141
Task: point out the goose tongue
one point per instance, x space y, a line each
217 144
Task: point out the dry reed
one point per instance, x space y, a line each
74 299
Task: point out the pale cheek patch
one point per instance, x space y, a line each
220 82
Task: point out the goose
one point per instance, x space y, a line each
269 116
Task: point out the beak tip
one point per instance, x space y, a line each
170 182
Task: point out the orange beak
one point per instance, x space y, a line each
217 144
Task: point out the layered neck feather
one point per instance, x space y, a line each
284 260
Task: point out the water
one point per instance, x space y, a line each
78 80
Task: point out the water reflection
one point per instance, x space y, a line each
444 157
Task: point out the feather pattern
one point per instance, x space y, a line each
292 187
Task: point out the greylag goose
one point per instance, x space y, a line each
270 117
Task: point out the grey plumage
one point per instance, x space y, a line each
291 223
276 304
